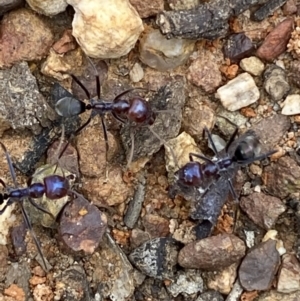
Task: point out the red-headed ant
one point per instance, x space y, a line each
135 110
208 184
53 186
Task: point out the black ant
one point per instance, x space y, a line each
207 184
53 186
135 110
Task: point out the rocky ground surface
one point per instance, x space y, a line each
129 230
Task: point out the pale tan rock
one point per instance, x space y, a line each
105 29
48 7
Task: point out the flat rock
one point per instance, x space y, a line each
48 7
252 65
239 92
262 209
279 179
258 268
22 106
291 105
212 253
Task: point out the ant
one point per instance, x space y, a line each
200 174
208 184
135 110
53 186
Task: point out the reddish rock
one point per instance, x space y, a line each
212 253
147 8
66 43
82 226
262 209
156 226
282 178
276 41
205 74
24 36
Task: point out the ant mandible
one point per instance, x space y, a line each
53 186
135 110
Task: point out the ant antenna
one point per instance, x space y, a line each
24 213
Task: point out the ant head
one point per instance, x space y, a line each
190 174
140 111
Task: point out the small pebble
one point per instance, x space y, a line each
239 92
157 52
276 83
276 42
48 7
291 105
252 65
289 275
136 73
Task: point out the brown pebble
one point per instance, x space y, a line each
156 225
66 43
258 269
35 280
38 271
212 253
82 226
147 8
282 178
262 209
16 292
276 41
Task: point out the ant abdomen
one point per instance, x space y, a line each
69 107
245 151
56 186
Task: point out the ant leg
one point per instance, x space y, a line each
10 165
37 206
132 148
232 191
127 91
231 139
106 145
118 118
8 203
28 224
191 155
2 183
213 146
87 93
97 78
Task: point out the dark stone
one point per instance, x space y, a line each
258 269
237 47
18 234
156 258
267 9
210 296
